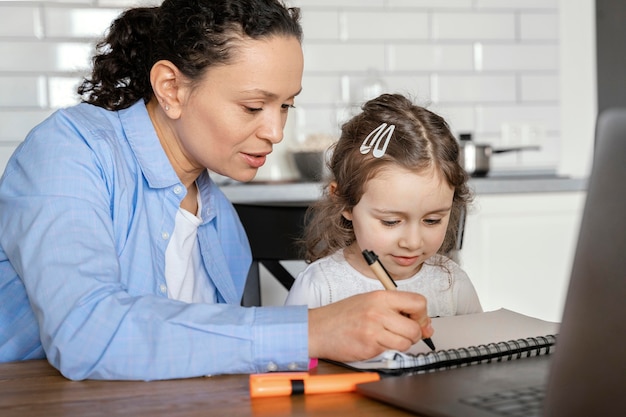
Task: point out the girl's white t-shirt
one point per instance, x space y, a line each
447 288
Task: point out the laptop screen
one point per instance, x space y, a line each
588 374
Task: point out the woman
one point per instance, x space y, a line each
119 257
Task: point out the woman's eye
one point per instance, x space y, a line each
287 107
254 109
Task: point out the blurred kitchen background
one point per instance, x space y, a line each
510 72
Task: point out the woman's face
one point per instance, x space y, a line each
402 217
232 119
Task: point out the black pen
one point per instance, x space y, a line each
388 282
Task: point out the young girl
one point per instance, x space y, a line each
396 189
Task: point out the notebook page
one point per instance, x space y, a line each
483 328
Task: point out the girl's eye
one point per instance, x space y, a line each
432 222
389 223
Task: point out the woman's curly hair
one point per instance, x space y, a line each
192 34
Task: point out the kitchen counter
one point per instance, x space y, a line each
294 192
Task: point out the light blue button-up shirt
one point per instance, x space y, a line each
87 206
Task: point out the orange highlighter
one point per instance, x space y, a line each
294 383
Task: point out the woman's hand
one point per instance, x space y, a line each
365 325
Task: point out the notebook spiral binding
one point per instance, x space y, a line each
453 358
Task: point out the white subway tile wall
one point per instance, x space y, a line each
490 67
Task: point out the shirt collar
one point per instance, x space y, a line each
146 146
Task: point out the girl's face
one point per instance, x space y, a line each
230 122
402 217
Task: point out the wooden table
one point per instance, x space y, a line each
34 388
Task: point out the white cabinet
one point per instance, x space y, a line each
518 250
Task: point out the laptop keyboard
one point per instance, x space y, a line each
523 402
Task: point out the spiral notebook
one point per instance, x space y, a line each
499 335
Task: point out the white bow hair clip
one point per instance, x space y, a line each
374 139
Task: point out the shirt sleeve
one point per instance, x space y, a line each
465 296
309 288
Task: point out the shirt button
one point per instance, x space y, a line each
165 235
163 288
272 367
178 189
292 366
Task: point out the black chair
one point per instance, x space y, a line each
272 229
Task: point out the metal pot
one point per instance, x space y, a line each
476 158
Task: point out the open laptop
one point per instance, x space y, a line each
586 376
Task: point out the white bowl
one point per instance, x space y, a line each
311 165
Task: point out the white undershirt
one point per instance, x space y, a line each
184 274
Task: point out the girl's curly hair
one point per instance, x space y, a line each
421 140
